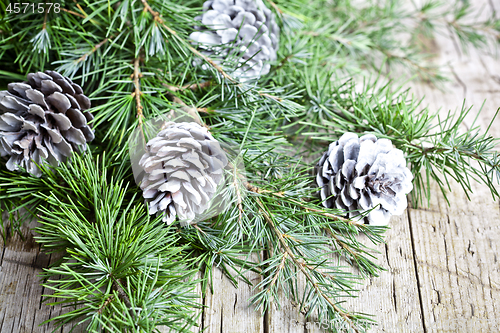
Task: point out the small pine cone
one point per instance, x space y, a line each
43 120
246 29
183 166
363 173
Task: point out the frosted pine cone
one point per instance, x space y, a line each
43 120
245 29
183 166
363 173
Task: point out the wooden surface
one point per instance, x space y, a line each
443 262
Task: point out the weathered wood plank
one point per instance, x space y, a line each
228 308
455 249
456 246
393 297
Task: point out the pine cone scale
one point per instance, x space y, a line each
44 119
364 174
181 175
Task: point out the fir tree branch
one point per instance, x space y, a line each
94 49
302 267
281 195
193 112
158 19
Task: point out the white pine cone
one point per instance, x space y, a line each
183 166
363 173
43 120
248 26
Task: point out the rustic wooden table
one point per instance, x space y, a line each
443 265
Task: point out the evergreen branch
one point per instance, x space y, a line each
158 19
302 267
94 49
281 195
192 112
118 258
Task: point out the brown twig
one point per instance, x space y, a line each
192 86
283 62
278 99
137 94
72 12
45 20
342 244
137 91
106 303
427 150
198 228
282 265
204 110
302 266
80 8
329 36
95 48
275 6
117 286
193 112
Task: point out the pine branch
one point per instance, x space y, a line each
94 49
158 19
302 267
281 195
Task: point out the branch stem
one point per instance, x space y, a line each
255 189
137 94
302 267
95 48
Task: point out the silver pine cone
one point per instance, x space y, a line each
183 166
43 120
246 29
363 174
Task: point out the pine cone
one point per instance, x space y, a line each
363 173
42 121
245 29
183 166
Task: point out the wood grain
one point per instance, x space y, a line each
442 262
